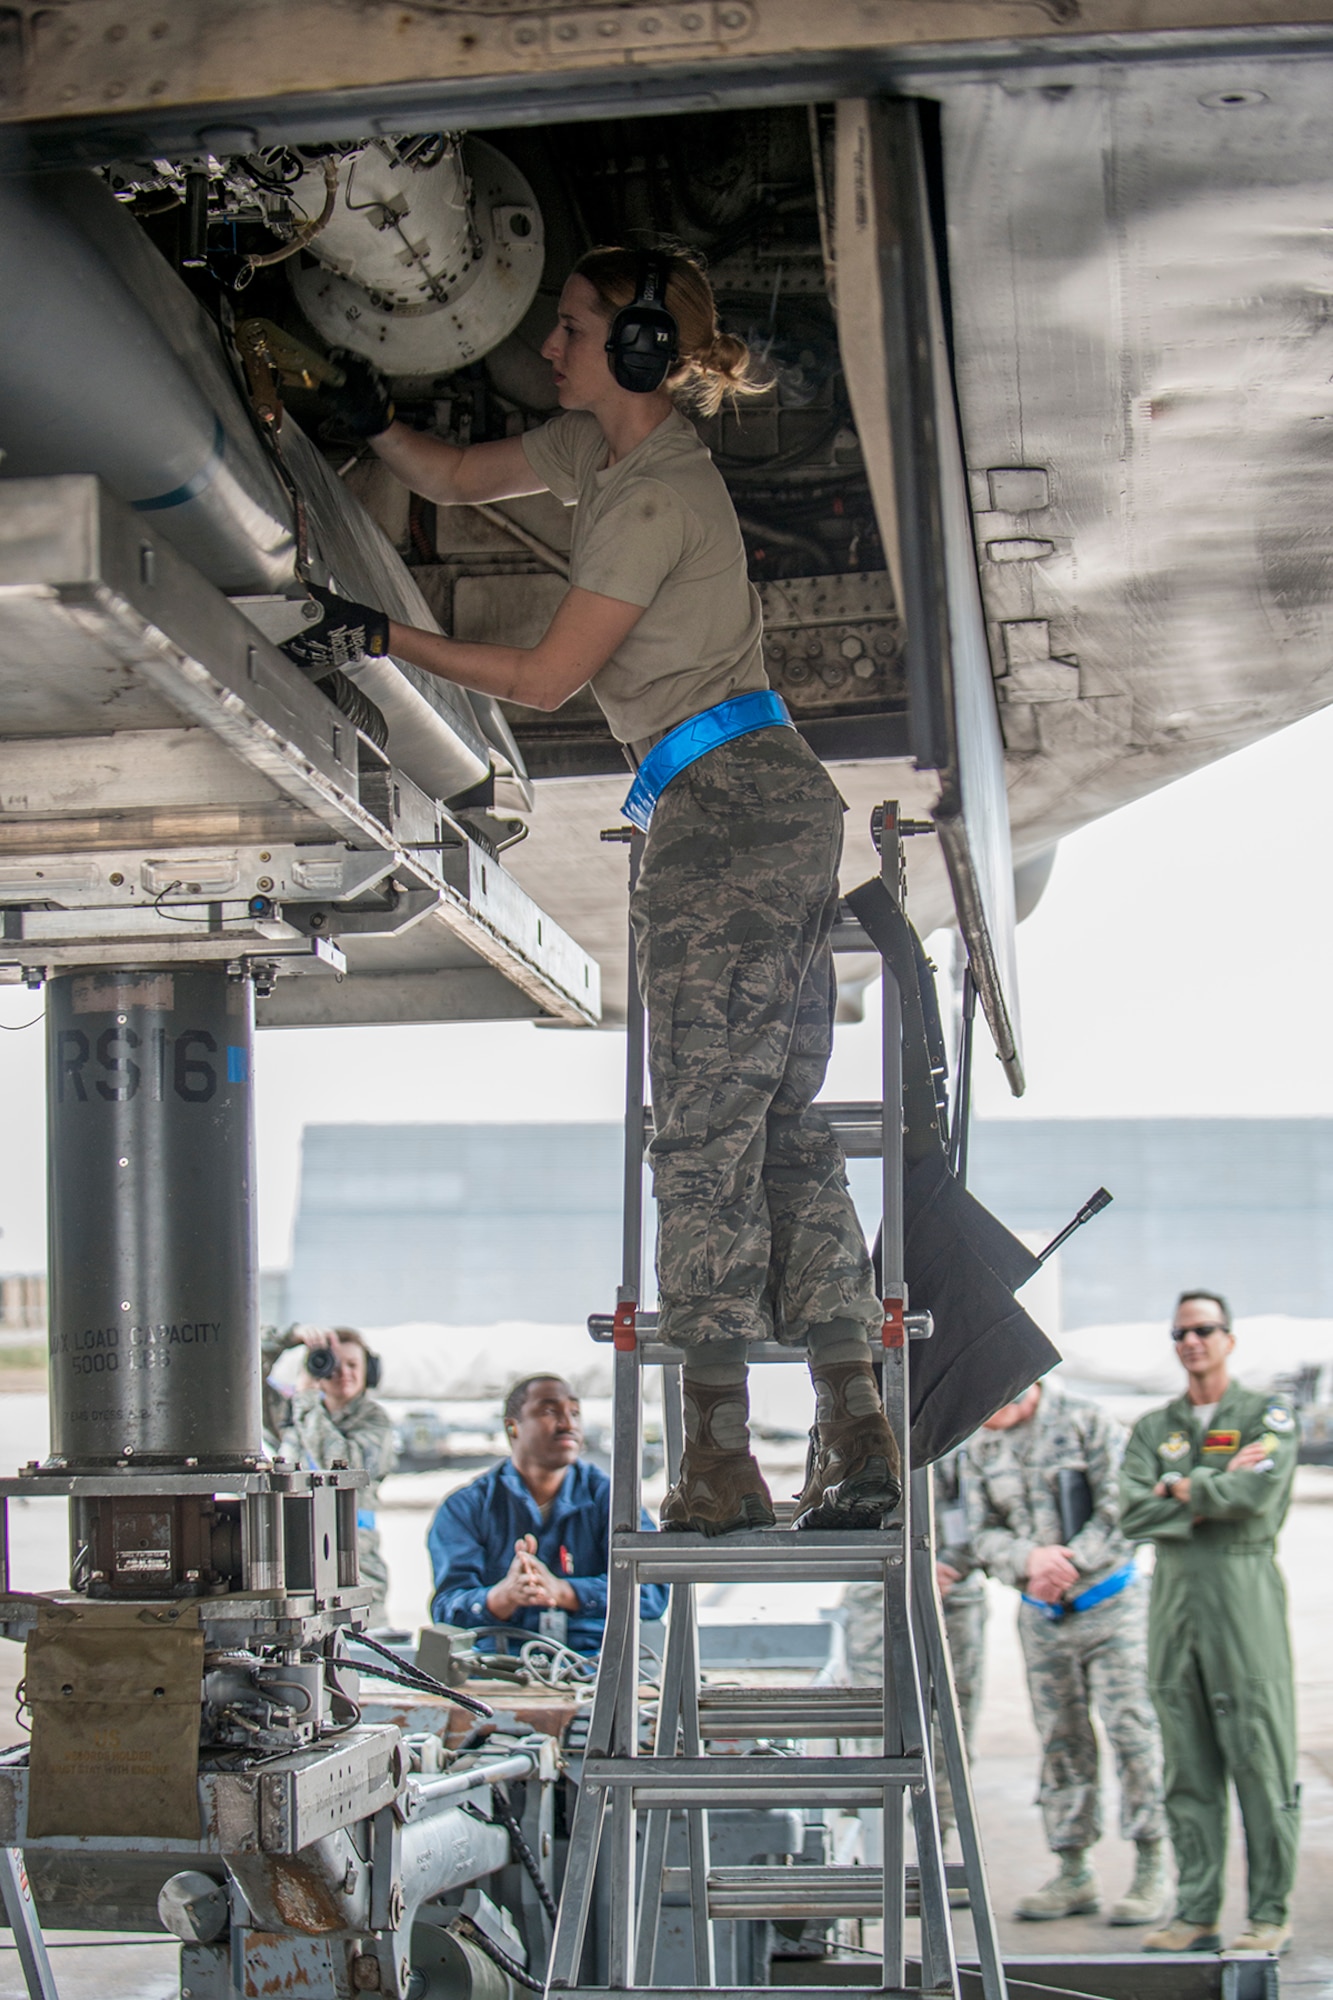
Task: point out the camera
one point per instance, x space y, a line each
322 1364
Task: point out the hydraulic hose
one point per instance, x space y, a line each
359 709
305 234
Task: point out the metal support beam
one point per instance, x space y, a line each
893 340
329 70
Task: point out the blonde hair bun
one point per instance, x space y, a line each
712 365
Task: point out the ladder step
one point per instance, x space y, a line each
753 1781
761 1555
857 1126
818 1895
868 1984
848 934
798 1711
657 1353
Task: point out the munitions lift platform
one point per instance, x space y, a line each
627 1798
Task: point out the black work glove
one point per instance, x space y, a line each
342 635
360 406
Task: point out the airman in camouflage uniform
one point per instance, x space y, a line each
757 1235
963 1591
312 1432
1083 1627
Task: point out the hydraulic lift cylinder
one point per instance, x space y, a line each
154 1343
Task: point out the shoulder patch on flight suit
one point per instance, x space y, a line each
1227 1441
1278 1418
1174 1448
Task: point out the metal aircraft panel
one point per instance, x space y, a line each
263 71
897 364
1141 302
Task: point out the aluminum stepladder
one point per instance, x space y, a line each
619 1783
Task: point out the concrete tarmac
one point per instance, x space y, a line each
103 1968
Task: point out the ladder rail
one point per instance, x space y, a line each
668 1713
622 1649
939 1969
901 1726
21 1915
678 1720
591 1808
702 1935
631 1241
939 1668
612 1725
576 1891
627 1481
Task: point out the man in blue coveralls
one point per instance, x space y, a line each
526 1544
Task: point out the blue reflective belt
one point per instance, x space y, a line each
1110 1586
689 741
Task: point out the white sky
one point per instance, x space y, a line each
1180 964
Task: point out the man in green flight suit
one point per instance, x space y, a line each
1208 1479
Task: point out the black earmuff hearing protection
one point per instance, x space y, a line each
644 344
374 1369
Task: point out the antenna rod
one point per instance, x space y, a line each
1094 1205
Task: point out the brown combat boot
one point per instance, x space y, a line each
1144 1902
1182 1935
1273 1939
1071 1892
720 1489
853 1474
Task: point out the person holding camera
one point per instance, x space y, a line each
330 1415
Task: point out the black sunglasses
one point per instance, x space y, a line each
1179 1333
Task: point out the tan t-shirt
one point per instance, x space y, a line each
657 528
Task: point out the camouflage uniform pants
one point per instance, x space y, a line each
732 914
1100 1656
965 1631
